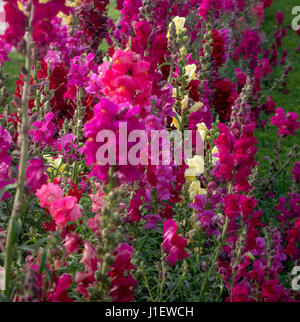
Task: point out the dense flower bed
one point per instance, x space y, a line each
89 214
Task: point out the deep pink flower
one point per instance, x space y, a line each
4 178
71 243
93 223
43 32
240 293
65 210
231 208
247 204
273 292
107 116
269 106
296 172
17 22
89 257
127 79
98 199
5 143
81 66
241 78
48 194
35 174
5 49
44 132
142 33
267 3
287 124
249 47
204 9
258 273
151 221
173 243
59 293
279 18
5 160
293 238
123 284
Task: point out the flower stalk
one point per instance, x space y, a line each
18 201
217 254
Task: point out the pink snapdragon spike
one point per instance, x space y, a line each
43 31
81 67
293 238
240 293
127 79
4 179
296 172
5 143
206 215
16 22
151 221
86 279
5 160
35 174
236 205
267 3
173 243
72 241
43 131
279 18
108 116
65 210
123 284
93 224
5 49
59 293
48 194
98 199
287 124
272 292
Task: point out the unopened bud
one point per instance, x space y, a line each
109 260
23 70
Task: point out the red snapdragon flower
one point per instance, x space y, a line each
123 284
173 243
287 124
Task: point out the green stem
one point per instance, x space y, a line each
276 175
147 284
17 206
180 279
217 254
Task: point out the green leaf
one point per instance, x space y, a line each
43 261
6 188
3 298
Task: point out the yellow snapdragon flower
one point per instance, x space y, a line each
190 71
184 102
20 6
179 25
195 189
214 158
57 164
196 107
73 4
196 167
66 20
176 123
202 129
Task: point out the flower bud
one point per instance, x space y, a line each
203 266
